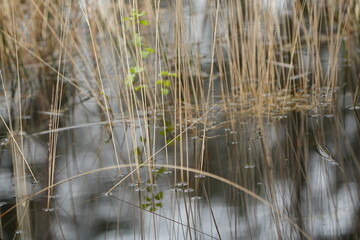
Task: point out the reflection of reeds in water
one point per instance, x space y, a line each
269 79
21 190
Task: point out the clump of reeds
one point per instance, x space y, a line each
156 78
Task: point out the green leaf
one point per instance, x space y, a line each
159 196
159 205
136 69
145 205
144 22
137 151
135 14
150 50
148 199
169 129
164 91
144 54
163 133
137 40
152 209
137 88
158 82
161 170
166 83
130 79
165 73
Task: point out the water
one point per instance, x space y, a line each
328 197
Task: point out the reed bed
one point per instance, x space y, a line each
180 119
